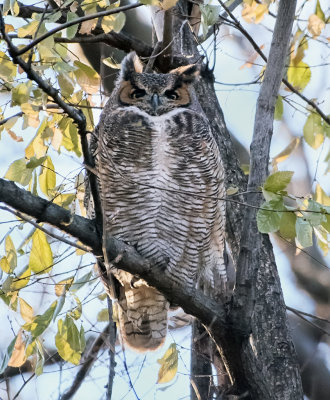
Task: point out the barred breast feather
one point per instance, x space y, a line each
161 185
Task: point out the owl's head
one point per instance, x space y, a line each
156 94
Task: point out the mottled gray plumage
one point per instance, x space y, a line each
160 178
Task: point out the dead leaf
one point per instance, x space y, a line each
315 25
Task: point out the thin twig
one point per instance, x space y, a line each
238 25
75 22
294 310
48 232
299 314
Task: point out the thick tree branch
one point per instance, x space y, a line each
194 302
258 300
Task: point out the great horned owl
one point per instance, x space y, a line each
160 178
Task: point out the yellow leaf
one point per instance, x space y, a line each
232 190
28 29
26 310
284 154
111 63
167 4
87 77
315 25
18 357
7 68
299 75
63 286
4 265
254 13
69 341
47 178
41 256
64 200
313 130
321 196
21 281
11 253
103 315
169 365
9 28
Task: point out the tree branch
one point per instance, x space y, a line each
194 302
258 300
75 22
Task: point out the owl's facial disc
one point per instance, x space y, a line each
157 98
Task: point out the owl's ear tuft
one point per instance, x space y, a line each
188 73
131 64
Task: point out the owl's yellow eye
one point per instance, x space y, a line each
171 94
138 93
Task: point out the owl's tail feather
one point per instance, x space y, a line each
142 314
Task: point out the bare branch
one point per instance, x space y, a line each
75 22
47 231
238 25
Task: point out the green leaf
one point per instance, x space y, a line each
60 304
81 281
278 181
72 30
269 221
18 172
113 22
70 343
21 93
35 162
299 75
40 322
288 225
10 253
6 357
314 218
169 365
40 358
66 85
41 256
278 108
313 130
47 178
304 232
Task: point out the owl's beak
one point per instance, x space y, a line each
155 102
